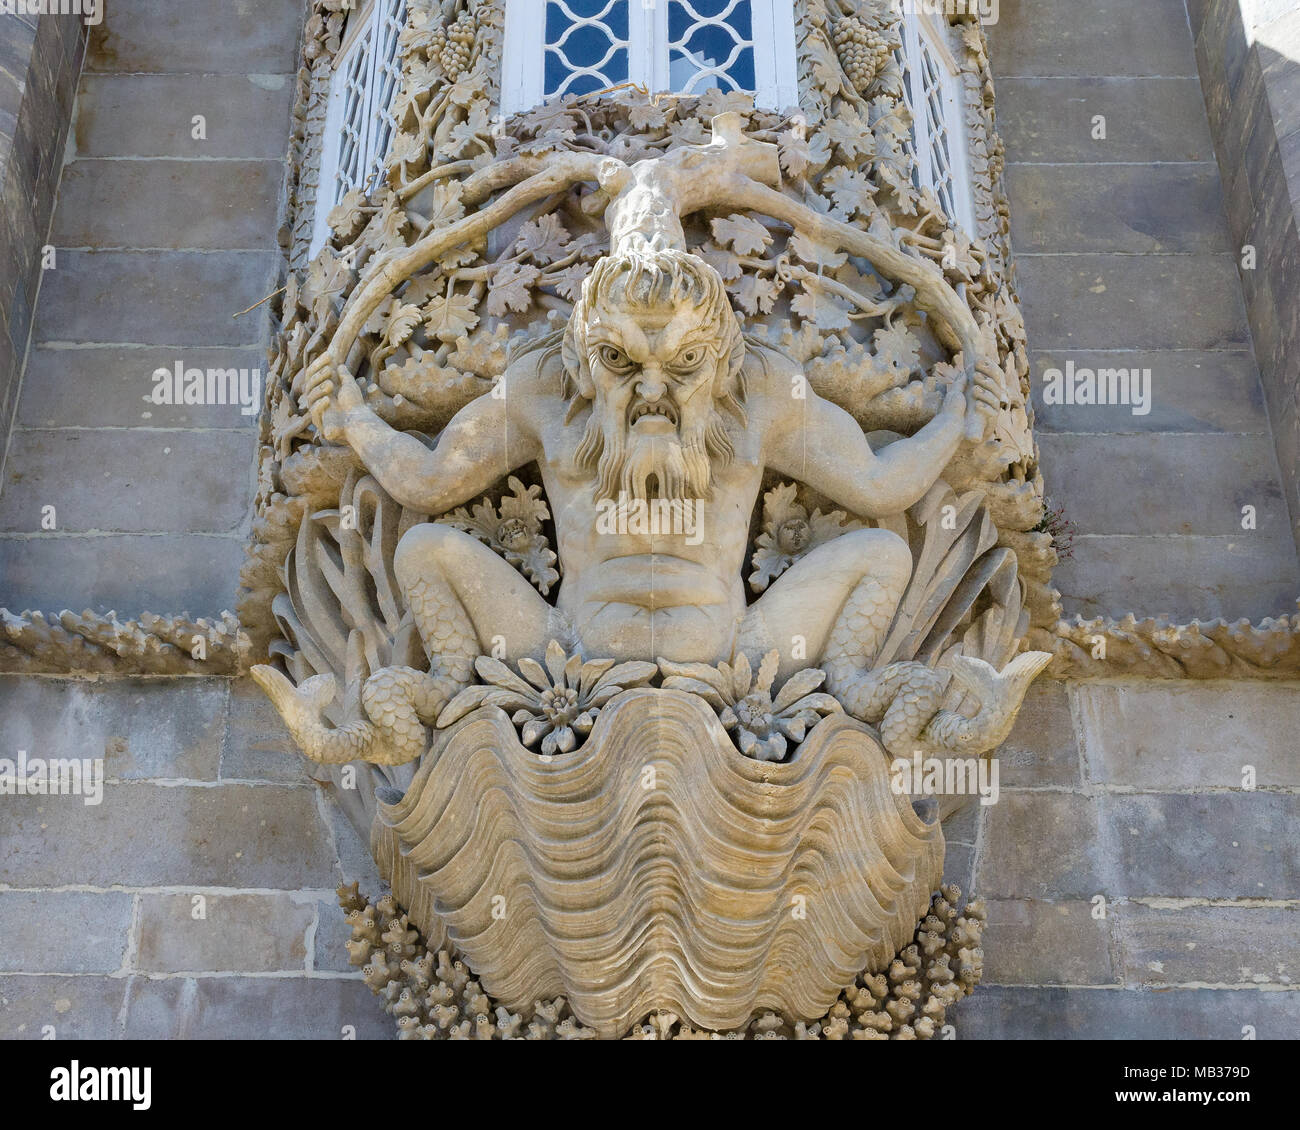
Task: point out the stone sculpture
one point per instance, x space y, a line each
523 516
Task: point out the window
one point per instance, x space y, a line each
358 120
932 86
559 47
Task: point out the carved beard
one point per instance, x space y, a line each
678 466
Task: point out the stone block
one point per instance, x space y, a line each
1167 484
1210 945
239 933
254 1008
129 481
1247 112
131 574
141 728
1190 735
1107 37
1202 845
1223 31
212 205
1126 208
64 931
1041 751
1133 302
1147 120
332 932
159 36
62 1008
1190 392
153 116
1046 943
1181 577
256 746
962 826
157 297
103 386
1123 1014
1041 845
151 835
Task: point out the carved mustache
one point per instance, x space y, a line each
659 408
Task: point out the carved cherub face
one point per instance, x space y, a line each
655 346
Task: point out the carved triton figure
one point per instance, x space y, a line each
652 395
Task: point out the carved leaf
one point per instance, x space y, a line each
816 253
744 235
512 289
825 311
445 207
755 294
544 239
451 316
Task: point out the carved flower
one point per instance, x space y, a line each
514 530
556 704
789 533
763 726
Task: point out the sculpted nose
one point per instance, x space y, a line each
651 385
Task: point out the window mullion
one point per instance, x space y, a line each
764 31
916 93
649 21
374 81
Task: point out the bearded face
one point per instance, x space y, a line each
655 370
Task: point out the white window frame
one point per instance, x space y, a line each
921 29
374 27
523 70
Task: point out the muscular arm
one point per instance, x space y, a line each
484 441
820 444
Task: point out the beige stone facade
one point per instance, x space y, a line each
1143 831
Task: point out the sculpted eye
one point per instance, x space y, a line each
613 358
691 358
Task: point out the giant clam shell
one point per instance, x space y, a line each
656 867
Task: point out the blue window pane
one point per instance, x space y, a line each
711 45
560 76
586 45
613 14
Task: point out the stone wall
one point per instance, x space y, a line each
1248 52
161 236
39 63
1125 259
1132 791
206 800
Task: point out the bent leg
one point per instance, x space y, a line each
835 604
467 601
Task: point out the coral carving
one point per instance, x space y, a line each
433 996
